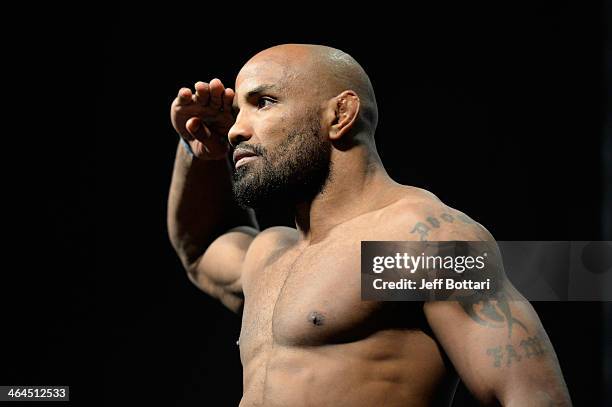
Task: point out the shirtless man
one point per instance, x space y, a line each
302 121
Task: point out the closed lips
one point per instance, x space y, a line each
241 153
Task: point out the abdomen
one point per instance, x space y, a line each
388 368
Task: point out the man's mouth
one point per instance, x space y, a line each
242 156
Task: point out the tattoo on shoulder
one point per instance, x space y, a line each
422 228
465 219
447 217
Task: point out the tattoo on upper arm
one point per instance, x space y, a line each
498 355
490 310
493 311
528 348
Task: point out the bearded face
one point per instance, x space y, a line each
293 171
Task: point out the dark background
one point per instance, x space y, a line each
497 110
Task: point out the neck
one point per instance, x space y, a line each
357 185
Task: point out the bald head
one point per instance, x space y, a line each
305 112
322 72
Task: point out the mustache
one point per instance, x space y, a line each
252 148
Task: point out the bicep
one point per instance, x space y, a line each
499 349
218 271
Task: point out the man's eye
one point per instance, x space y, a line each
264 101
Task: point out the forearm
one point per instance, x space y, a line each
200 205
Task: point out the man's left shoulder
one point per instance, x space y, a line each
422 216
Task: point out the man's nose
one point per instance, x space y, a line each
239 132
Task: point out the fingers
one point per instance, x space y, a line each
197 130
202 144
184 97
216 93
202 94
228 97
211 94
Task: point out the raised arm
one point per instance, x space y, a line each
208 230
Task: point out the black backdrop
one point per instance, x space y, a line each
497 110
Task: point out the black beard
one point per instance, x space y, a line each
295 171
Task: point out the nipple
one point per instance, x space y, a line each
316 318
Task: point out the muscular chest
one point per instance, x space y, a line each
306 298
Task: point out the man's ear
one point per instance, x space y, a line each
346 109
